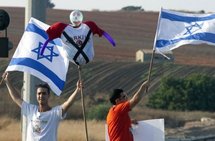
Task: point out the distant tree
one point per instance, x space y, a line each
98 112
201 11
195 92
169 96
132 8
200 92
50 4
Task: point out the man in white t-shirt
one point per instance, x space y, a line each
42 119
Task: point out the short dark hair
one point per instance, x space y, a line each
116 94
44 85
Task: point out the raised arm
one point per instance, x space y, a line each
15 95
138 95
97 30
71 99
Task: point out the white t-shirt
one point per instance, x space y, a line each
42 126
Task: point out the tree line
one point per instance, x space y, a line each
194 92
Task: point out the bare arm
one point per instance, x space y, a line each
14 94
138 95
71 99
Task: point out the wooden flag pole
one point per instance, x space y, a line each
150 70
1 81
150 66
153 52
83 105
3 77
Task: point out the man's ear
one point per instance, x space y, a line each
117 100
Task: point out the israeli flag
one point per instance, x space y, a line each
51 67
176 29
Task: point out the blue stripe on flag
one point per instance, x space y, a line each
28 62
208 37
187 19
33 28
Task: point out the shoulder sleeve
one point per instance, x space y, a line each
94 28
59 112
27 108
123 107
55 30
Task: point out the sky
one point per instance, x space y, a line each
113 5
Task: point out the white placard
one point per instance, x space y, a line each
146 130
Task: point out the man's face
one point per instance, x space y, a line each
123 97
42 96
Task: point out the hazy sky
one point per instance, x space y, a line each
106 5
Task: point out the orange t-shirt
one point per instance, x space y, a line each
119 122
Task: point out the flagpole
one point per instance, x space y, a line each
150 66
83 104
153 51
3 77
2 80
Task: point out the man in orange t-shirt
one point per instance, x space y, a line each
118 120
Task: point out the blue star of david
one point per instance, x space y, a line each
193 28
47 56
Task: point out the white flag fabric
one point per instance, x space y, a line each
176 29
51 67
